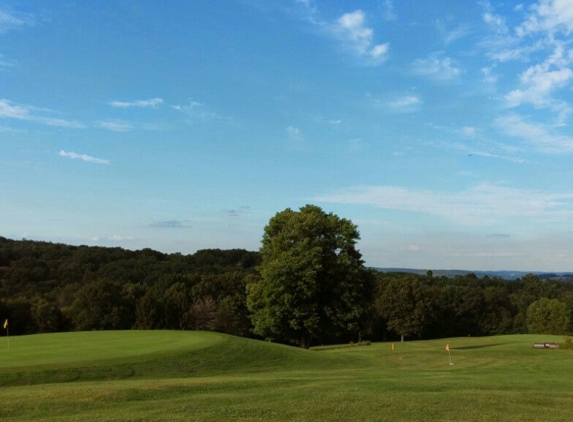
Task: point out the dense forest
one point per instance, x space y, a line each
50 287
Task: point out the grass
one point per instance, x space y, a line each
182 376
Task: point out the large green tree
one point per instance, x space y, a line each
313 281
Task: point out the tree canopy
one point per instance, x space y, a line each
547 316
313 281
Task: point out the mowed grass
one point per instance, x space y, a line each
198 376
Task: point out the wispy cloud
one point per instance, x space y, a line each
451 35
295 137
153 102
405 104
115 125
351 28
5 63
387 9
11 20
197 111
437 68
114 238
482 204
83 157
172 224
535 134
476 144
10 110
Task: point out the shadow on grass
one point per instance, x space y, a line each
478 346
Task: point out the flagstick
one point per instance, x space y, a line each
8 336
450 355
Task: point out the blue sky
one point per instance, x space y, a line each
441 128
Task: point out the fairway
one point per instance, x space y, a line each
199 376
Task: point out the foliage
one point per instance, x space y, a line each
406 305
547 316
43 288
313 282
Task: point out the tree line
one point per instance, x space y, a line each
307 285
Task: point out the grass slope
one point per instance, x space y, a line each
108 355
181 376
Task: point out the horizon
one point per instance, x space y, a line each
442 130
367 266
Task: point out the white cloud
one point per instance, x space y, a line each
9 110
541 80
548 15
406 103
351 29
115 125
496 22
535 134
482 204
488 76
503 45
83 157
153 102
439 69
23 112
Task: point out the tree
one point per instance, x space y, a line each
47 316
405 305
313 281
100 305
547 316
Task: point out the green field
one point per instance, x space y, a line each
199 376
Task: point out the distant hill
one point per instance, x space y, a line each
506 275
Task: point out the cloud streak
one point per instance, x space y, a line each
115 126
407 103
83 157
479 205
153 102
535 134
172 224
10 110
10 21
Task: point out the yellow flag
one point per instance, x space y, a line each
6 324
448 347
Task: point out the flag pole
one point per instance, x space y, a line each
7 332
449 353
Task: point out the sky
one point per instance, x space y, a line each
441 128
